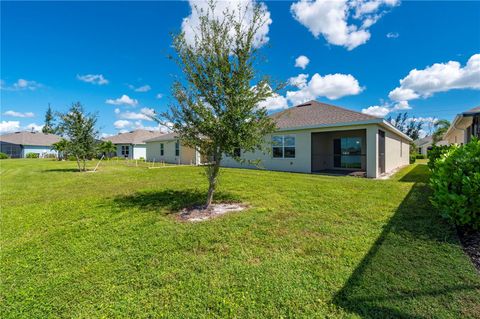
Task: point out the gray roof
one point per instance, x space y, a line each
30 138
425 140
314 113
475 110
133 137
164 137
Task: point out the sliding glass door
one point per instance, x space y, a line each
347 152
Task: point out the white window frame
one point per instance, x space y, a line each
283 146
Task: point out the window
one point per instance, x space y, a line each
283 146
177 148
161 149
419 150
237 152
347 152
125 150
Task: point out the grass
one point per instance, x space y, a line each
105 244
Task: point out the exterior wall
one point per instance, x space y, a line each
119 150
397 151
457 136
41 150
187 155
139 151
424 148
12 150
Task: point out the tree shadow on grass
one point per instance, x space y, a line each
408 272
64 170
168 200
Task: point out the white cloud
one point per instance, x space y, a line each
439 77
190 24
34 127
121 124
9 126
401 106
144 114
302 62
330 19
376 110
392 35
123 100
275 102
21 84
18 114
105 135
98 79
300 81
159 96
144 88
117 111
332 86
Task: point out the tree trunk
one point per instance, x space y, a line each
212 182
78 163
84 169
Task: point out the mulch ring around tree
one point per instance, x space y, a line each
470 240
199 213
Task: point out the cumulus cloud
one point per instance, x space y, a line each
300 81
302 62
144 114
18 114
191 24
401 106
275 102
439 77
21 84
159 96
392 35
34 127
9 126
144 88
98 79
125 126
376 110
332 86
331 19
123 100
121 124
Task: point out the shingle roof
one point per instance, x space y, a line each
314 113
133 137
164 137
474 110
30 138
425 140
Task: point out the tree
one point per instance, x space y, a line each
409 126
216 109
441 127
107 148
79 129
61 148
48 127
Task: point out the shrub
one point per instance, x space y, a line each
32 155
50 155
3 156
71 158
456 184
413 158
420 156
435 153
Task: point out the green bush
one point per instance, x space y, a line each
456 184
3 156
71 158
420 156
32 155
50 155
413 158
435 153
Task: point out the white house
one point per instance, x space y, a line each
317 137
132 144
169 149
19 144
464 127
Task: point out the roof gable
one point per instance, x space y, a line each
30 138
133 137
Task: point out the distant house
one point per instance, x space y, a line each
132 144
423 145
169 149
465 126
19 144
317 137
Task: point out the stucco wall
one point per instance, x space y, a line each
187 155
140 151
396 151
119 150
457 136
41 150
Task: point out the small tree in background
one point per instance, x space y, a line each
61 148
217 103
49 127
407 125
441 127
107 148
79 129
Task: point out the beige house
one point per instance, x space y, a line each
464 127
132 144
169 149
317 137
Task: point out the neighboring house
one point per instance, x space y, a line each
19 144
315 137
132 144
425 144
464 127
168 148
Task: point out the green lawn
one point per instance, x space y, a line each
105 244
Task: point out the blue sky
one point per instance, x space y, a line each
99 52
